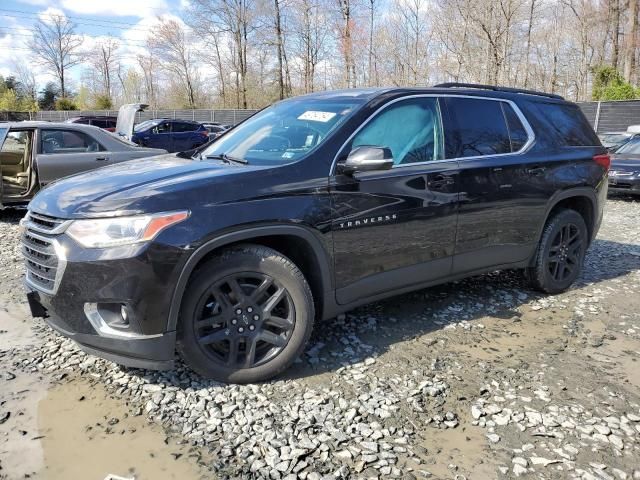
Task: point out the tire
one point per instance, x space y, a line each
560 255
247 314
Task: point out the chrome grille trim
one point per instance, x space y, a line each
44 224
44 257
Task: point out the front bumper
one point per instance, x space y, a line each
155 352
624 184
92 286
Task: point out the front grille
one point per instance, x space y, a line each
44 261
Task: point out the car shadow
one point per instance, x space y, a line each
372 329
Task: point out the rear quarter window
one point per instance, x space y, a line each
569 124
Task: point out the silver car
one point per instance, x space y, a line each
34 154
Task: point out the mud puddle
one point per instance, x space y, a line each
74 429
88 435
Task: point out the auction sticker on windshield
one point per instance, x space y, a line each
316 116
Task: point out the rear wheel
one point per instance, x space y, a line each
246 316
561 252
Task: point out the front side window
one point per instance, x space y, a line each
410 128
162 127
284 132
68 141
479 127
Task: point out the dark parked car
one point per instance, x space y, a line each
624 176
105 122
310 208
171 135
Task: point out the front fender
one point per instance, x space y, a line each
247 234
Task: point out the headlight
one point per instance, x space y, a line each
111 232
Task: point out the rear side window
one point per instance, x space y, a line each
517 132
479 127
569 123
99 123
184 127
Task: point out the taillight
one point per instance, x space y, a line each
603 159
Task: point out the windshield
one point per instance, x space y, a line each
144 125
614 138
284 132
632 147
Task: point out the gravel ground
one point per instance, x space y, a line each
481 378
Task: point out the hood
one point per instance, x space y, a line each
625 161
152 184
127 118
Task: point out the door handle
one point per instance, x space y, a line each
102 159
536 171
440 181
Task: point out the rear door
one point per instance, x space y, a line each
3 134
65 152
184 136
396 228
504 189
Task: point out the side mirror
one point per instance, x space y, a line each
367 158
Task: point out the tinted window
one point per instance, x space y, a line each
479 127
410 128
569 123
99 123
184 127
68 141
517 133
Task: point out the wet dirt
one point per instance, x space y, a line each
73 429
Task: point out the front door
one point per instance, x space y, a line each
159 136
395 229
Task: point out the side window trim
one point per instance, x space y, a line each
525 123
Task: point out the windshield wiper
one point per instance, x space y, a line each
226 158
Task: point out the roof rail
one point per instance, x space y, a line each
497 89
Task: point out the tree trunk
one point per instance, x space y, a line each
528 48
370 72
615 33
631 43
279 49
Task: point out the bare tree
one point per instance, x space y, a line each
149 66
346 12
27 80
169 42
103 58
55 45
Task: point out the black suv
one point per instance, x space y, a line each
309 208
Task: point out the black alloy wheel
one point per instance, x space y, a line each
244 320
565 252
560 253
246 315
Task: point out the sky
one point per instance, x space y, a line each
128 21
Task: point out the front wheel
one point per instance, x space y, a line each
246 315
560 254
